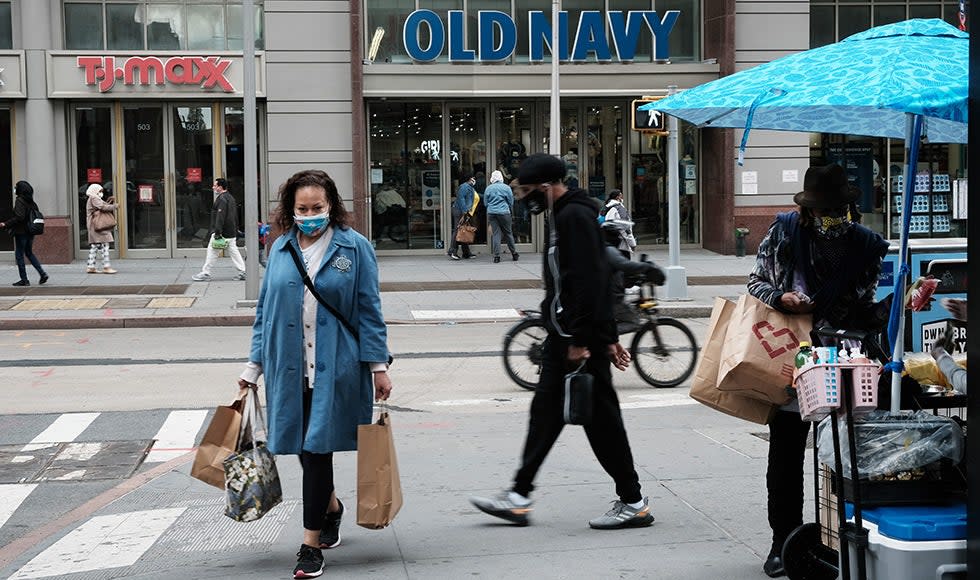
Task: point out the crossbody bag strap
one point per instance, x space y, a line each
309 284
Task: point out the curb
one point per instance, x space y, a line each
667 310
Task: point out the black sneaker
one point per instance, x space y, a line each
44 278
515 256
330 532
22 283
309 563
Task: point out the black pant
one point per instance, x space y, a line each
607 434
317 476
24 247
784 476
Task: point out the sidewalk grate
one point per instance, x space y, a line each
174 302
62 304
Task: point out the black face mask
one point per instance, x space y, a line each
536 201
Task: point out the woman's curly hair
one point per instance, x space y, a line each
339 216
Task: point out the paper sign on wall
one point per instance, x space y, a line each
750 188
791 175
145 194
750 177
377 176
194 174
93 175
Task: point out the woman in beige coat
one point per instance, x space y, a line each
98 241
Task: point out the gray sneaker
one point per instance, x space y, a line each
623 516
502 507
201 277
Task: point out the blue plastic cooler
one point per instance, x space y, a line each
914 542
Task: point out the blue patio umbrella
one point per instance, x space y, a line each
906 80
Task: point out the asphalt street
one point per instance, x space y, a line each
459 424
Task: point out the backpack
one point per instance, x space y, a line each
35 221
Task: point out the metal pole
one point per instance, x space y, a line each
250 151
554 146
676 274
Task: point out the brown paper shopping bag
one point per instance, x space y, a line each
757 358
379 489
218 443
704 387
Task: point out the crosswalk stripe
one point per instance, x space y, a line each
177 435
65 428
487 314
103 542
11 496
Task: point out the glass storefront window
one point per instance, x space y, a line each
153 25
164 27
194 173
235 158
822 26
83 26
405 176
888 14
521 9
205 27
468 156
685 38
513 126
6 177
603 146
644 48
124 30
648 162
93 159
388 16
145 171
6 27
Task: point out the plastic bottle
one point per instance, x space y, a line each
804 356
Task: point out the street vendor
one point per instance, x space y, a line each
816 261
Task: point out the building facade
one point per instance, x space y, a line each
400 99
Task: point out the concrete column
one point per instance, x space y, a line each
40 160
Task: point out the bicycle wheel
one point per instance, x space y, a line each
524 352
664 352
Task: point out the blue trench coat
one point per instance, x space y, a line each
343 389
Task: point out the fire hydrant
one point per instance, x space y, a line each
740 234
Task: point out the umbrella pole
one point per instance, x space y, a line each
896 329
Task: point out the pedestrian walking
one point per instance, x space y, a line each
614 210
20 227
499 199
578 314
321 364
98 240
820 261
224 228
464 204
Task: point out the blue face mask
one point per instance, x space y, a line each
312 225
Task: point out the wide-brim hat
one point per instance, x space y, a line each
826 188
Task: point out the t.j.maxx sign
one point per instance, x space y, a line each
497 35
83 75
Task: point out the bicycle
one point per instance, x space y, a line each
664 349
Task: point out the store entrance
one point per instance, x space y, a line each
158 160
169 169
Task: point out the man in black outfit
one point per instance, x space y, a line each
578 314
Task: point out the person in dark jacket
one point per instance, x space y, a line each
817 261
224 224
23 239
626 271
464 204
578 315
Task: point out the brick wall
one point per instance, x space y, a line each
757 219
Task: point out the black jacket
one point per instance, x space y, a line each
17 225
586 299
224 216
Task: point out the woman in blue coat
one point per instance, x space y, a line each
320 380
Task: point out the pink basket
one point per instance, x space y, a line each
819 389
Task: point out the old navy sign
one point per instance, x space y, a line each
206 72
497 35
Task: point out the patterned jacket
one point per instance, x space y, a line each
775 264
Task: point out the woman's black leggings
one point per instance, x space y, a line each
317 476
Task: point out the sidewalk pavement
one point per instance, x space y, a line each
160 292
